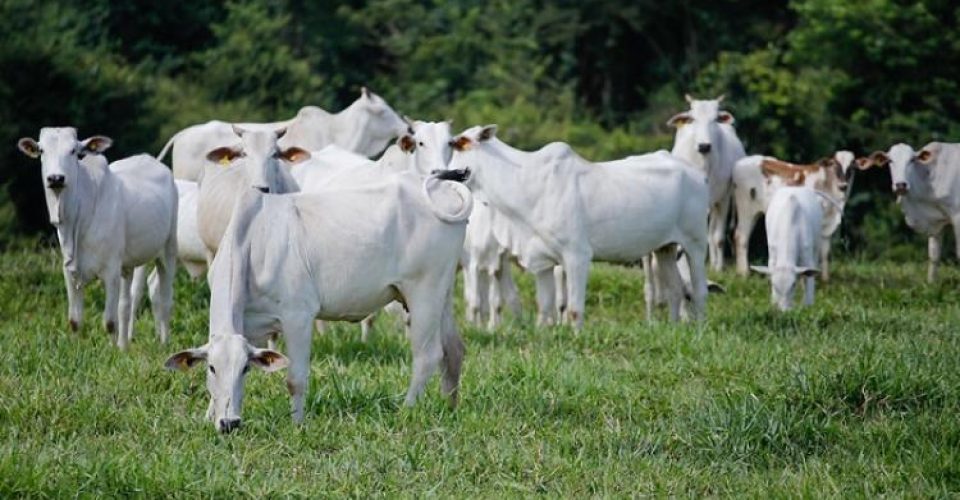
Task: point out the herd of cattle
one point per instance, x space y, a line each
298 226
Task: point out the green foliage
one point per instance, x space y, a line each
803 78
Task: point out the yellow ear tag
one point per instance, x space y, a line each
224 161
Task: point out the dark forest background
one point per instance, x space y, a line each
803 78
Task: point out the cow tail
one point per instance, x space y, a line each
452 180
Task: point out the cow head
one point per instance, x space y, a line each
60 154
703 119
906 165
783 282
379 122
467 144
429 143
843 165
262 159
229 359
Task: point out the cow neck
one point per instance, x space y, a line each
502 178
78 211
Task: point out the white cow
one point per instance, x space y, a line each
793 224
256 162
487 274
927 184
365 127
338 254
706 138
581 211
831 176
110 219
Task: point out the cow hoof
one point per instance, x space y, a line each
74 325
111 327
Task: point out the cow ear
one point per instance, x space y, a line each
863 163
487 133
223 155
879 159
680 119
460 143
761 269
29 147
96 144
725 117
806 271
926 157
689 98
365 92
269 360
186 359
295 155
407 144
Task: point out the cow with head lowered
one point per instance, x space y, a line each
705 137
110 219
334 254
365 127
927 185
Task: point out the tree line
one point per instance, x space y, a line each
803 77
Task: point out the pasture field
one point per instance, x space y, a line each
857 396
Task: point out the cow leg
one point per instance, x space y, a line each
137 287
933 249
475 293
161 289
717 227
112 284
560 285
453 351
809 288
508 287
578 270
426 315
669 283
365 326
696 260
825 258
494 300
74 301
745 223
126 312
649 286
546 295
296 335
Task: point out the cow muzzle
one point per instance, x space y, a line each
704 148
228 425
56 182
901 188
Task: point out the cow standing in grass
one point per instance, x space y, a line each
927 185
110 219
336 254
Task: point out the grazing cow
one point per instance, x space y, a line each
831 176
580 211
256 162
365 127
706 138
110 219
927 185
337 254
793 223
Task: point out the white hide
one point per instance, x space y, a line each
927 184
793 223
751 199
256 162
580 211
109 220
365 127
487 274
336 254
705 137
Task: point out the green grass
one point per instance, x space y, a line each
855 396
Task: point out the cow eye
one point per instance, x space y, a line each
210 367
420 144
